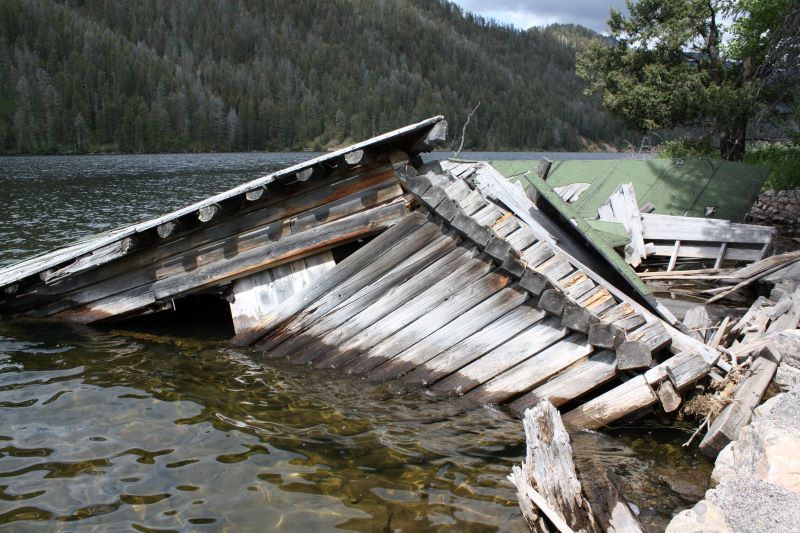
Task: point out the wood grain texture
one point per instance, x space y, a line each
534 371
573 383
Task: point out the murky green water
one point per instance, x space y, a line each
129 429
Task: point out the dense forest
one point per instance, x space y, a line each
197 75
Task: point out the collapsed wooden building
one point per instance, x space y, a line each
368 260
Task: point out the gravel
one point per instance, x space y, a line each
753 506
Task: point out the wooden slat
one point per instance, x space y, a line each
573 383
533 371
345 323
493 184
521 239
456 331
426 296
734 252
633 395
668 227
512 352
316 238
475 346
466 297
317 333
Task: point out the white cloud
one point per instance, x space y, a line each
526 13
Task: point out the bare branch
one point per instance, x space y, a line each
464 130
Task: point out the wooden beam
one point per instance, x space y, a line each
630 397
475 346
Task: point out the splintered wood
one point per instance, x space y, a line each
548 489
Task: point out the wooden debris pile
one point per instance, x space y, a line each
670 240
752 351
723 285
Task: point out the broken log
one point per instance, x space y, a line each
548 488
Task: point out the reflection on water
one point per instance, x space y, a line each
123 430
114 428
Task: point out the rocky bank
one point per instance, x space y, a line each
757 477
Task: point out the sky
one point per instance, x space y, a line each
526 13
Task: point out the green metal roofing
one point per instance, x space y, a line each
674 187
602 236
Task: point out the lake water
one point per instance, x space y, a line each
166 427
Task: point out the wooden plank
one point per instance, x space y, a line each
426 297
254 238
521 239
512 352
460 328
488 215
597 300
89 261
555 268
414 228
505 225
538 254
573 383
333 330
733 252
577 284
630 397
653 335
685 368
475 346
317 333
492 183
303 243
534 371
261 294
466 297
668 227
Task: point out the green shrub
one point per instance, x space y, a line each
782 158
687 147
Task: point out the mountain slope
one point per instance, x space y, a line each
174 75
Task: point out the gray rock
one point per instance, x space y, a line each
753 505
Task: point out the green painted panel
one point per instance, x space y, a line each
674 187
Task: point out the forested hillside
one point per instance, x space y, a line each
177 75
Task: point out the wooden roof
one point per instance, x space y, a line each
111 244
